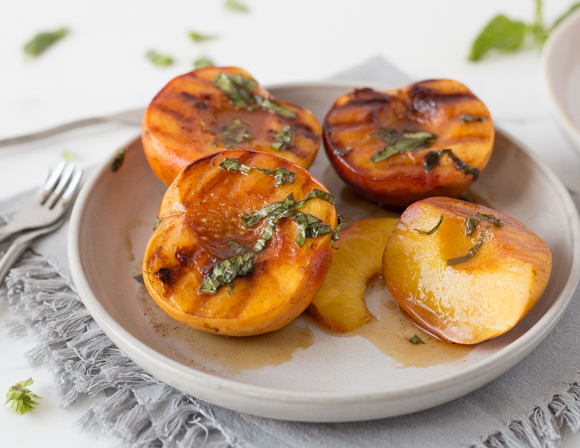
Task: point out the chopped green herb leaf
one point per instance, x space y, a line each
232 287
157 222
460 165
118 160
416 340
501 34
282 175
67 155
341 222
471 253
160 60
470 118
433 230
198 37
239 90
204 61
283 139
140 279
42 41
349 148
399 142
21 397
237 132
234 5
472 221
431 160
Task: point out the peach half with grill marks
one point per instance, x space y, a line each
216 108
395 147
242 243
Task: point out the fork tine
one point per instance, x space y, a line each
60 187
51 181
72 188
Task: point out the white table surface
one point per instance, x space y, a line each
100 68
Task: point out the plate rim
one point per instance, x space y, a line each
478 376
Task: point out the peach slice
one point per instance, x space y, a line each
464 272
242 245
340 302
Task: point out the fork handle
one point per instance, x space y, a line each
6 231
19 245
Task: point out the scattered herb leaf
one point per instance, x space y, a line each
237 132
157 222
466 118
140 279
67 155
502 34
118 160
21 397
232 287
471 222
416 340
349 148
399 142
431 160
234 5
42 41
335 236
204 61
158 59
239 90
282 175
471 253
433 230
283 139
198 37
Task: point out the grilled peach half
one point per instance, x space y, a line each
464 272
215 108
430 138
340 303
242 245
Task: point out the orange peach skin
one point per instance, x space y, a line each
473 301
200 213
184 122
433 106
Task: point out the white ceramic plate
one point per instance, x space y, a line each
561 68
318 376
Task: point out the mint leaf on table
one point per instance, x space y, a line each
501 34
42 41
158 59
234 5
21 399
198 37
204 61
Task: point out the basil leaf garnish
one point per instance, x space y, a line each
399 142
198 37
416 340
239 90
237 132
472 221
157 222
282 175
502 34
471 253
158 59
341 223
433 230
283 139
432 159
469 118
203 61
118 160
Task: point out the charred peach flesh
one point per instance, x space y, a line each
340 303
430 138
215 108
242 245
464 272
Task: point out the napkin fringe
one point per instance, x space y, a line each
132 405
542 428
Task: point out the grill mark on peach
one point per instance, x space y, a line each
174 113
193 99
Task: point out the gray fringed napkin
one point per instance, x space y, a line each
525 407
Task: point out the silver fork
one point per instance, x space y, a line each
49 204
